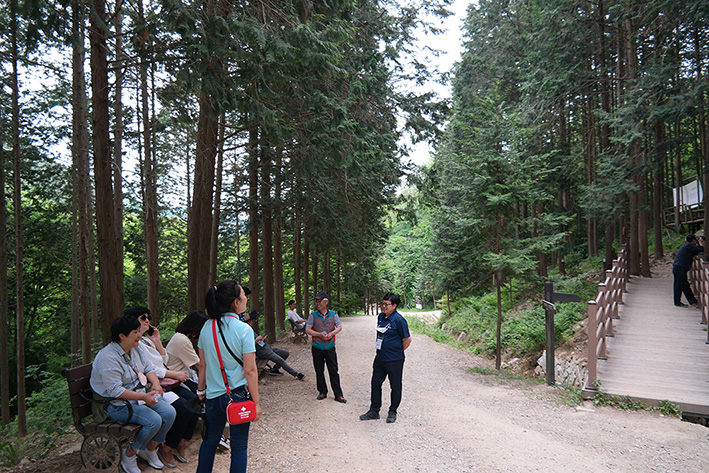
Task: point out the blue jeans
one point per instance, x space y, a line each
156 421
215 419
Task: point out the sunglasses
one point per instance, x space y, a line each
145 317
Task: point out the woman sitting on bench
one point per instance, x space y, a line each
120 370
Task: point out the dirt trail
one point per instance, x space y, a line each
450 420
453 420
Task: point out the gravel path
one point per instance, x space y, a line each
453 420
450 420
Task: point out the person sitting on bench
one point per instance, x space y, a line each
122 370
264 351
293 316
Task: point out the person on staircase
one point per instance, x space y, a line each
680 268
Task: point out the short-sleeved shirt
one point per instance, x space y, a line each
114 371
323 322
240 338
293 315
180 353
392 338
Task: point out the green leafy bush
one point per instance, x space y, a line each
48 417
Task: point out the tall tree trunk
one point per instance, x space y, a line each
253 216
118 131
110 238
81 308
267 242
326 272
278 288
96 325
150 201
643 228
201 215
306 276
627 63
315 272
214 241
605 133
19 259
297 258
339 286
4 305
657 180
678 175
703 127
237 212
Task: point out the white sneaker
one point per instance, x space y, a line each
129 464
223 444
151 456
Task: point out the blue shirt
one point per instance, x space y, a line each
240 338
392 338
114 371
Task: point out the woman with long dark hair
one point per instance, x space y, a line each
236 346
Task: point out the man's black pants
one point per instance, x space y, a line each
380 370
329 358
681 286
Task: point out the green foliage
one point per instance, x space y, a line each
523 323
622 402
418 326
669 409
48 416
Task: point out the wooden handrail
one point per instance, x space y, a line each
699 277
601 313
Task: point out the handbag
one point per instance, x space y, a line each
169 384
236 412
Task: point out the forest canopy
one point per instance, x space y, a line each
149 149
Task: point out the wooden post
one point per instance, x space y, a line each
549 310
590 389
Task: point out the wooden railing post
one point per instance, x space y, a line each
601 313
591 384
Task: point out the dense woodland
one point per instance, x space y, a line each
152 148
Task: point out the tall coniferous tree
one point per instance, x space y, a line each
82 312
17 201
109 231
4 304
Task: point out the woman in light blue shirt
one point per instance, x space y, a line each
224 301
121 370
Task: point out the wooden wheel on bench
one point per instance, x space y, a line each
100 453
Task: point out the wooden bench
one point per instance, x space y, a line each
262 366
101 448
298 333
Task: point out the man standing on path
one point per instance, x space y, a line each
323 325
392 339
680 267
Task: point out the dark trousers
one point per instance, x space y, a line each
380 370
185 420
681 286
278 356
329 358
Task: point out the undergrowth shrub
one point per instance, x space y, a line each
523 326
48 417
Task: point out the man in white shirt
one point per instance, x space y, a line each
293 315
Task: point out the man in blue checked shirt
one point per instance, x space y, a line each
392 339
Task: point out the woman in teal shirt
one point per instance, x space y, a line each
223 302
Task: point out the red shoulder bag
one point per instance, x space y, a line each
236 412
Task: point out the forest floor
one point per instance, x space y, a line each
451 418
